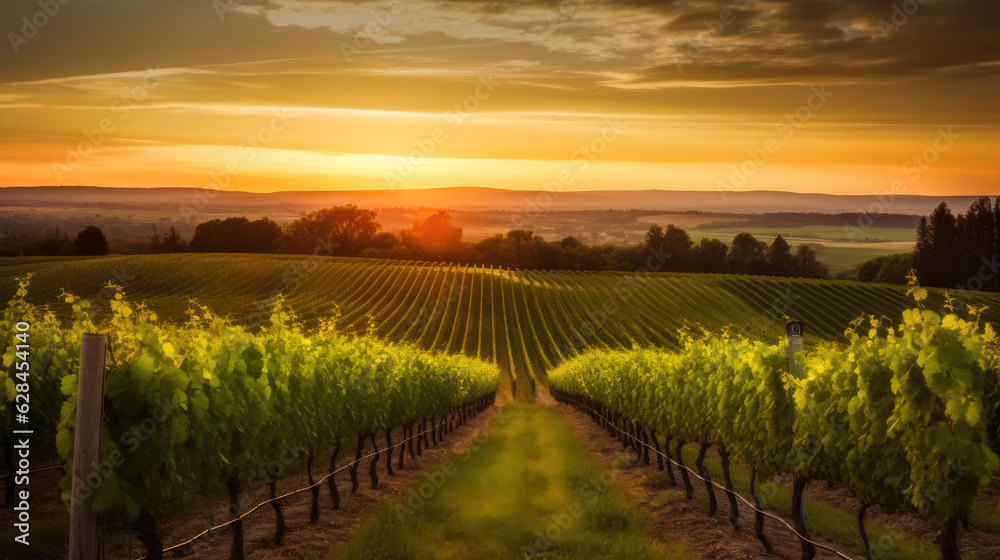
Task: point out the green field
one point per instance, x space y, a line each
839 259
805 233
528 321
836 247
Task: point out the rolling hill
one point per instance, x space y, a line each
471 198
528 321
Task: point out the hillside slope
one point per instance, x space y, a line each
528 321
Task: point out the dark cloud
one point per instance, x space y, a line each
794 40
723 23
762 41
106 36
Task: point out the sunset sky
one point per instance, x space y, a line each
270 95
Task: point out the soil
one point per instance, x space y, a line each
44 494
334 528
671 517
985 545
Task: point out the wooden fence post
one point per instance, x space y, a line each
86 447
795 330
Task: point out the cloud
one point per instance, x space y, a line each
743 42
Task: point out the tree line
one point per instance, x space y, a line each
960 252
355 232
90 241
954 252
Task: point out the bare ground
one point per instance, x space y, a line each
986 546
334 527
673 518
670 516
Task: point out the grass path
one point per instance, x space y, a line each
527 486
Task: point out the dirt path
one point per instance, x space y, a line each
530 490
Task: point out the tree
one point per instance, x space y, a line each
90 241
945 254
922 256
437 236
977 239
49 247
779 258
710 256
574 255
263 236
965 237
868 271
236 235
340 230
888 269
654 236
676 249
518 249
895 269
806 266
169 243
668 250
994 283
747 255
385 241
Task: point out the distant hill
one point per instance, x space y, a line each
479 198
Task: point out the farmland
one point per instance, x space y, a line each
527 321
585 335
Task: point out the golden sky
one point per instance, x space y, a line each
836 96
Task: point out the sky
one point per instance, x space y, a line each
833 96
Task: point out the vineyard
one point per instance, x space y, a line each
205 404
526 321
899 415
238 356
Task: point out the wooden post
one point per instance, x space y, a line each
795 330
86 447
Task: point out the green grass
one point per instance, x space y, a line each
530 487
527 322
843 258
985 517
837 249
49 538
805 234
